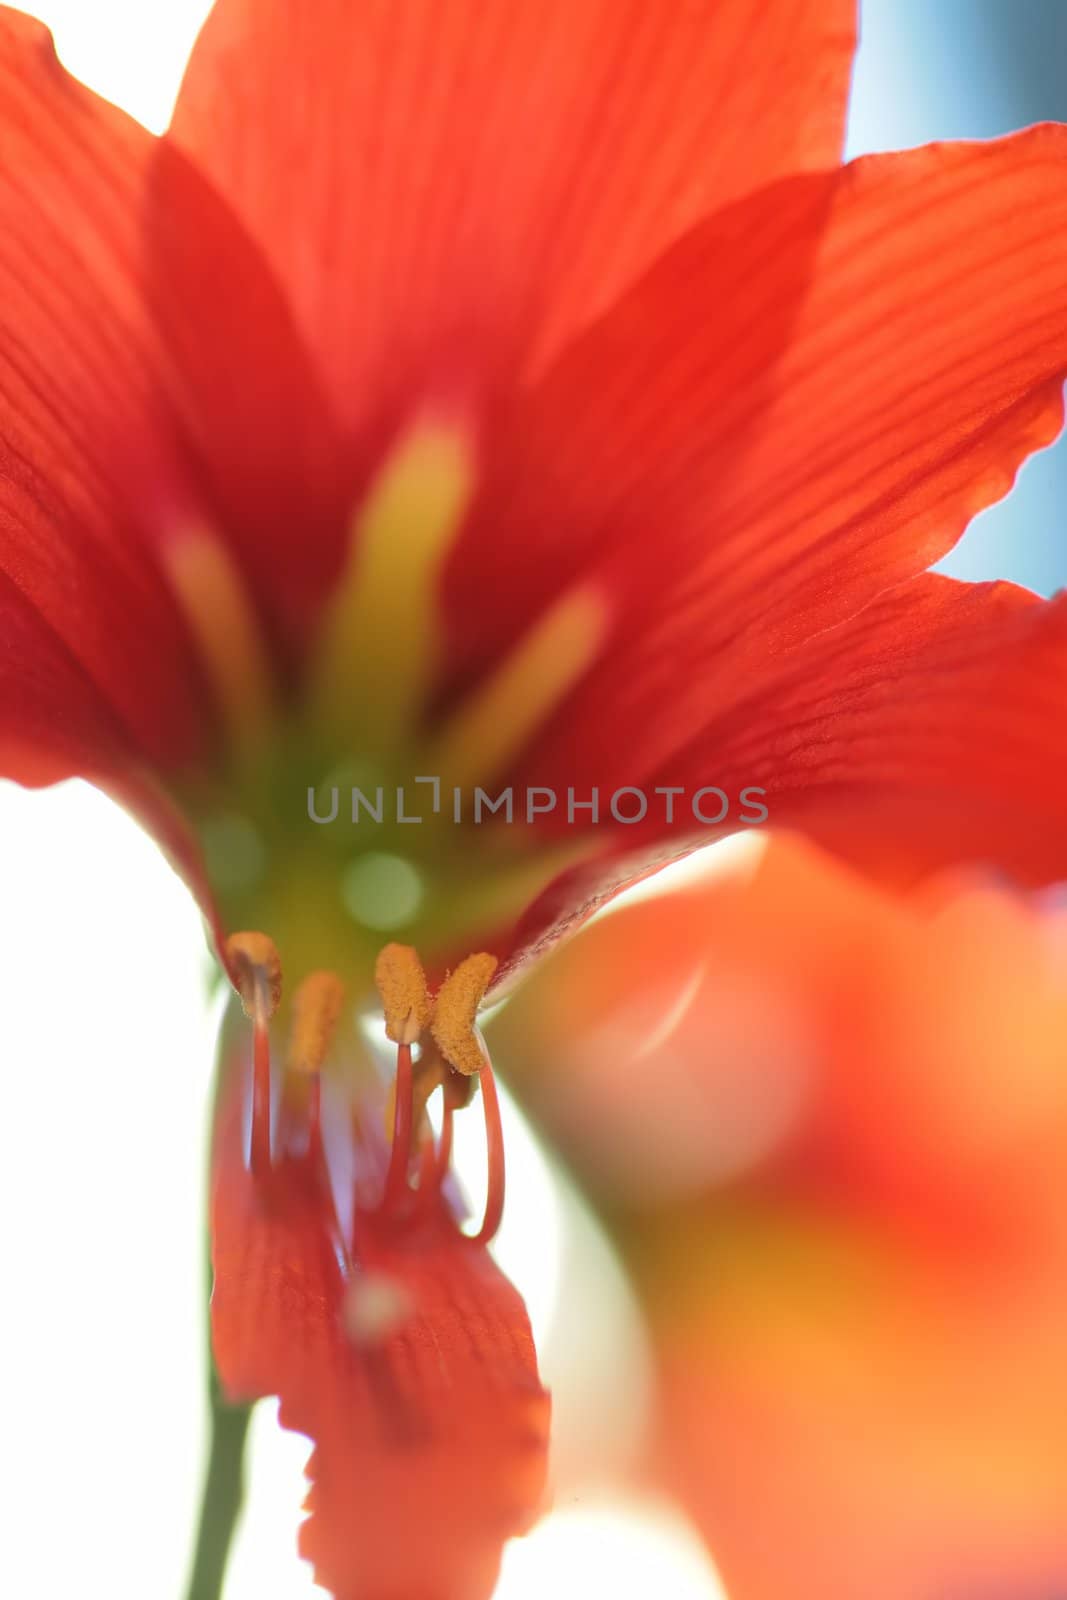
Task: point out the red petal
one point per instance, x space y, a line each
54 720
927 730
804 403
429 1445
441 184
144 393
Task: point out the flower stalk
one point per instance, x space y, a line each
222 1496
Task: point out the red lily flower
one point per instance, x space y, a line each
827 1130
524 400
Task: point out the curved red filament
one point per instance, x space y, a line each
494 1147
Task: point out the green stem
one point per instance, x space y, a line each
224 1481
223 1496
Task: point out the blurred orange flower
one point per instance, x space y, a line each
827 1129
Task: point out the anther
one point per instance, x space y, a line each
256 972
401 985
455 1010
316 1011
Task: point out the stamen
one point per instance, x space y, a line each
443 1149
452 1056
427 1075
494 1145
316 1010
314 1113
381 632
427 1165
401 986
459 1041
444 1142
396 1178
502 715
256 972
455 1009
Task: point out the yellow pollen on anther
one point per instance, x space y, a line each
316 1010
219 612
255 969
401 985
455 1010
380 633
502 715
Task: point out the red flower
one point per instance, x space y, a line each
827 1129
513 397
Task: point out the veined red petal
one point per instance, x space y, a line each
429 1438
55 721
447 187
802 404
926 731
71 378
151 387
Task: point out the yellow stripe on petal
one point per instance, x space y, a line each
498 720
380 634
220 615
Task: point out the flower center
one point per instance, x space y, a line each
356 796
286 1128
